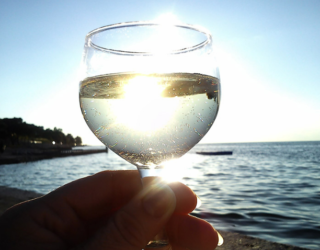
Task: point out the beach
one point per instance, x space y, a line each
232 241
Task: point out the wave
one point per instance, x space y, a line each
238 216
271 215
208 215
307 233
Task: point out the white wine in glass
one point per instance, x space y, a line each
150 92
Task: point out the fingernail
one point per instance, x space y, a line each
220 241
199 202
159 200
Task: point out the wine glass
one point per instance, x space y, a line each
150 91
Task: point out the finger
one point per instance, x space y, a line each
190 232
186 198
74 211
133 226
101 194
97 195
85 205
186 201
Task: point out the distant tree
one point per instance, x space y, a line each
57 129
70 140
14 131
3 130
12 128
4 136
58 136
78 141
48 134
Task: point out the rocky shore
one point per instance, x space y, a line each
232 241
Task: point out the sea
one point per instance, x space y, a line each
267 190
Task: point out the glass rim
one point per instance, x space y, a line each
88 39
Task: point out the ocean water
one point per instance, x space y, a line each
266 190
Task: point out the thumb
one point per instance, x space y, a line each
134 225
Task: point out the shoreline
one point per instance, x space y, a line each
11 196
22 155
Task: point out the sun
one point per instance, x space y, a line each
142 107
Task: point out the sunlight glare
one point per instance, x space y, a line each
173 171
143 108
138 86
165 40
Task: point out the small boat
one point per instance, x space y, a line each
215 153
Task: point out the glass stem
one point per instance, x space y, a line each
160 241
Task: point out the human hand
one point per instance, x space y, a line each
109 210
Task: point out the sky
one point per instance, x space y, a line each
268 53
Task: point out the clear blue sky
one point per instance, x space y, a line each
269 54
